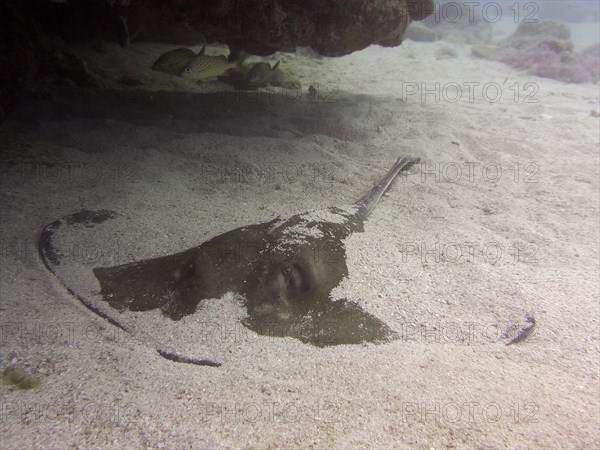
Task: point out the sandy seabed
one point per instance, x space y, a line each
498 224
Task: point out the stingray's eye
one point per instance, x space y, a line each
286 270
188 69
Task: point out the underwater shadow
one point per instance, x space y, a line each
275 114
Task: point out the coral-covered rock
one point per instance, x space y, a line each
331 27
544 49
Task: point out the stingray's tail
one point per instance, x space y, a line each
368 201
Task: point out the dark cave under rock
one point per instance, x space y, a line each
330 27
30 28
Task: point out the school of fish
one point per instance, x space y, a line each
201 67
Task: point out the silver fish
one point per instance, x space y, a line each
174 61
260 74
284 79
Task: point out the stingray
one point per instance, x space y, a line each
284 270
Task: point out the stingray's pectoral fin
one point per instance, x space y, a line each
345 322
81 249
166 283
323 324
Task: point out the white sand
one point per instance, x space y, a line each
160 158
